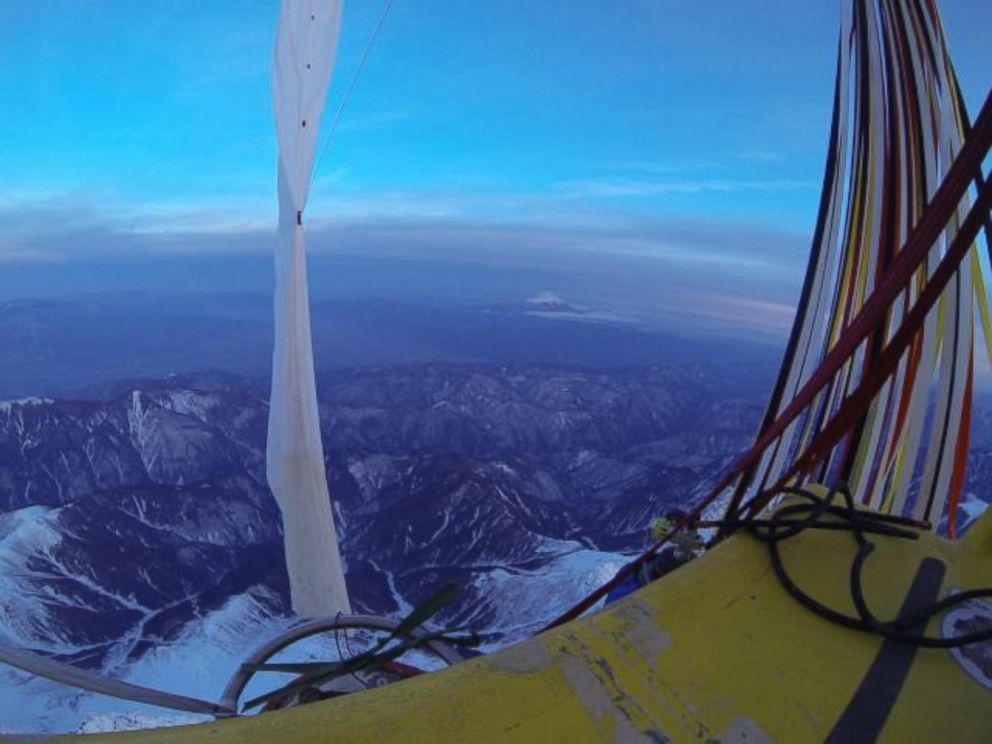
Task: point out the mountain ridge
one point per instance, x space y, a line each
127 523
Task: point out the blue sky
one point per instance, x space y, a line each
660 128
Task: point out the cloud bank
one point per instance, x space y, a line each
682 270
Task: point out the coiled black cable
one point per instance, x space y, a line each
793 519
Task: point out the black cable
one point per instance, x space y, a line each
793 519
351 654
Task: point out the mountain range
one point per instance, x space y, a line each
436 471
137 533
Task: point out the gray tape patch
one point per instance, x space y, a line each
520 658
643 633
975 658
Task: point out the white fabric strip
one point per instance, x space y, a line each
306 44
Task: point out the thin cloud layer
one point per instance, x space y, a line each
614 187
663 271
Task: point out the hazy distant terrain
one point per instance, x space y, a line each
75 347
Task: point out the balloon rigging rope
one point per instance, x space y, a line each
387 5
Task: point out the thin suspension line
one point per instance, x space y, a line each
354 79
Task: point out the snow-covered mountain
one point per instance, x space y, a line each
137 536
